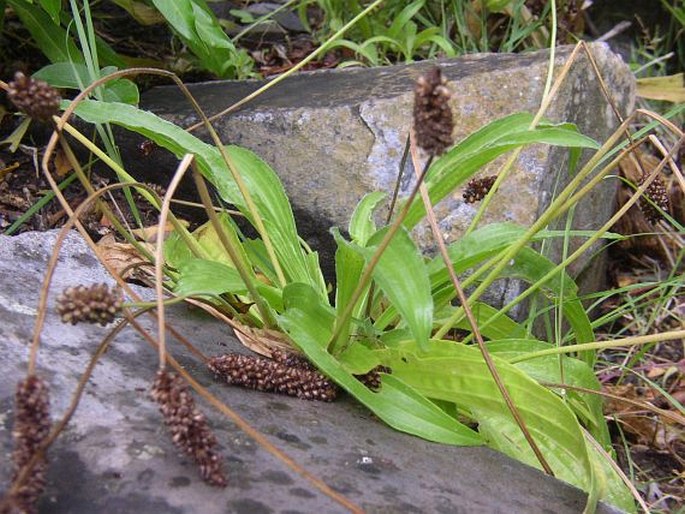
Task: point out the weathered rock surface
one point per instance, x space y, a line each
116 457
335 135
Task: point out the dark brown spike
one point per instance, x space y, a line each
478 188
657 193
291 375
36 98
433 123
31 428
372 379
189 429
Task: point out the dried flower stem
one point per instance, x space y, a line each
231 247
333 345
73 220
159 254
671 158
474 324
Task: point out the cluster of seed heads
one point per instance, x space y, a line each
656 192
433 121
91 304
188 426
34 97
31 428
478 188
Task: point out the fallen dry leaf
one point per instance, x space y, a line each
61 164
149 234
263 341
123 257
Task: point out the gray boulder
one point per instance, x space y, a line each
335 135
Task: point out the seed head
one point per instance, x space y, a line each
31 428
478 188
433 121
656 191
93 304
291 375
372 379
188 426
34 97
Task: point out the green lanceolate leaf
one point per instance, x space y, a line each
50 37
474 248
565 134
460 369
358 359
402 276
613 490
349 264
549 370
53 8
76 76
362 225
483 146
201 31
531 266
500 328
400 406
457 373
203 277
263 183
465 253
528 265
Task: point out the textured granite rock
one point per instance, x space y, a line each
335 135
116 457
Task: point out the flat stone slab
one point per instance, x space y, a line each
117 457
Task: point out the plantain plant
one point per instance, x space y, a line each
433 388
392 307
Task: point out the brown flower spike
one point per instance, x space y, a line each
433 121
92 304
478 188
285 374
372 379
188 426
656 191
34 97
31 428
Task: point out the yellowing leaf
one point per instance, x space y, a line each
143 13
670 88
